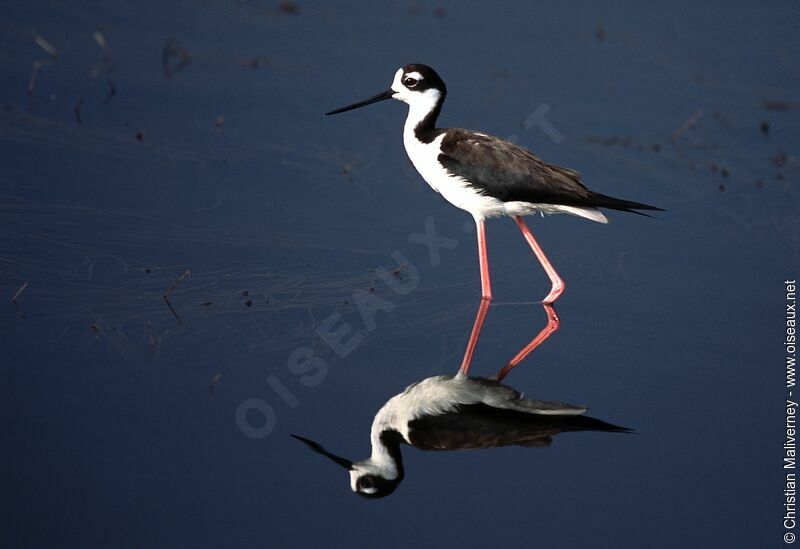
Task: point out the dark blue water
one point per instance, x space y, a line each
120 418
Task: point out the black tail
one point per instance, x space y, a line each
586 423
598 200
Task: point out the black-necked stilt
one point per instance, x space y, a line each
488 177
456 413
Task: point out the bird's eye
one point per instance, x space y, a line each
365 483
410 82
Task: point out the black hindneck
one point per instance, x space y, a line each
425 130
391 440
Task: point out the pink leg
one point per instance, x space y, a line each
486 299
552 325
557 284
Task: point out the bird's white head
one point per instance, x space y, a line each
371 478
417 85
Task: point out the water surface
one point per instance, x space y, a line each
121 417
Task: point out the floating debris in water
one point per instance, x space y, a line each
780 159
779 105
111 91
18 293
688 124
610 141
16 296
214 380
106 66
77 111
600 34
398 272
181 56
289 8
255 63
52 51
723 171
169 291
347 171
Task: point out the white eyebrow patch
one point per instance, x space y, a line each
396 81
414 74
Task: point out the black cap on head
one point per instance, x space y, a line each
376 487
429 78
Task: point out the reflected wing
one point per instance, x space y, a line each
475 426
508 397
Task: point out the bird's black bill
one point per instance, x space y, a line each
346 463
374 99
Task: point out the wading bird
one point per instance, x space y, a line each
456 413
488 177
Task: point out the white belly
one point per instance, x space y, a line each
456 190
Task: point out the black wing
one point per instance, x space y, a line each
505 171
474 426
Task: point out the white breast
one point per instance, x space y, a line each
456 190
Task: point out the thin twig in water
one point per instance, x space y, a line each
172 309
688 124
103 43
112 91
14 299
52 51
166 295
214 380
185 275
18 292
77 110
106 66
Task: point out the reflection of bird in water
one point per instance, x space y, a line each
456 413
488 177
